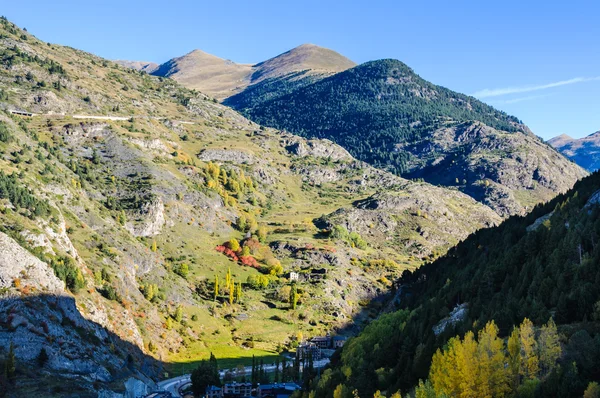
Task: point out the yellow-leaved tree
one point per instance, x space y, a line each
529 360
514 358
549 347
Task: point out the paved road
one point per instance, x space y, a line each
93 117
173 385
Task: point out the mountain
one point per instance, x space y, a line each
541 266
584 151
208 73
385 114
223 78
143 66
125 196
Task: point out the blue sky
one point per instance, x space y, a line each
537 60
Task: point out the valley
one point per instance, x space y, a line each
349 229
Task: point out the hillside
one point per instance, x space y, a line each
386 115
142 66
540 266
584 151
223 78
114 229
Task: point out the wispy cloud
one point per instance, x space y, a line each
519 99
496 92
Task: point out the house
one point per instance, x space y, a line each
278 390
339 341
237 390
294 276
307 349
321 341
214 392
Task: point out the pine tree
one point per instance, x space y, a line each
253 375
216 290
276 370
10 365
42 357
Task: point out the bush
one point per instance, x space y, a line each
110 293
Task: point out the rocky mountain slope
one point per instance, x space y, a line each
388 116
543 267
583 151
222 78
113 229
142 66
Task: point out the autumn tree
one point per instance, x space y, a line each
529 359
234 244
238 293
514 358
548 347
592 390
179 313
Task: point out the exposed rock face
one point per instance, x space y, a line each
76 347
315 148
226 155
16 263
142 66
457 315
508 171
149 219
584 151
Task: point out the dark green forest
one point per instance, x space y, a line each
368 110
520 269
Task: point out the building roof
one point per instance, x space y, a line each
282 386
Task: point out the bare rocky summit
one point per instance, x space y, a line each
584 151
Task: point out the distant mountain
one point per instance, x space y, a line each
583 151
385 114
143 66
222 78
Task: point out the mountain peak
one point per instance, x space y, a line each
303 57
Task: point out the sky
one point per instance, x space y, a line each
537 60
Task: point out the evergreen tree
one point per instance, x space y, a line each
216 288
42 357
276 377
10 365
294 296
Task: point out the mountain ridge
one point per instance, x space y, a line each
584 151
223 78
388 116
